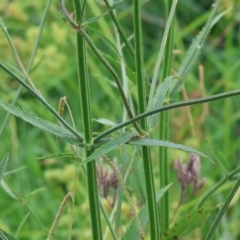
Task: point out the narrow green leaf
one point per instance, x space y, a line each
220 159
105 121
59 15
57 155
3 165
36 191
161 50
212 190
15 170
170 106
115 3
40 98
40 123
132 232
111 145
194 50
116 64
66 14
187 223
107 41
91 20
21 224
9 191
156 142
6 236
158 99
222 211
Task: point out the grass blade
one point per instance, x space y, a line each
47 126
6 236
111 145
158 100
154 142
170 106
222 211
161 51
194 50
3 165
22 223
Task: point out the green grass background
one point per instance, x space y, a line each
54 73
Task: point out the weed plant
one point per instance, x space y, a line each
133 102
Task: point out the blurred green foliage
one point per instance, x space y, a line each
215 125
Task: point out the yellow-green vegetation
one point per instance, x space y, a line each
110 89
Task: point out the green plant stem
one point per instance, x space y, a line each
77 26
164 126
119 28
167 107
85 104
29 64
141 87
222 211
103 212
108 221
218 185
124 157
161 52
163 171
37 95
114 74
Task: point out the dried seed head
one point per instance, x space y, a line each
184 177
189 173
113 180
194 166
106 178
61 105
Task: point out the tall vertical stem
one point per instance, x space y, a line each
85 103
164 124
141 87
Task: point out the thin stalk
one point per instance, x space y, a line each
164 126
120 191
163 171
141 87
37 95
119 28
124 118
222 211
100 204
108 221
29 64
82 11
85 104
115 76
218 185
77 26
167 107
160 54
